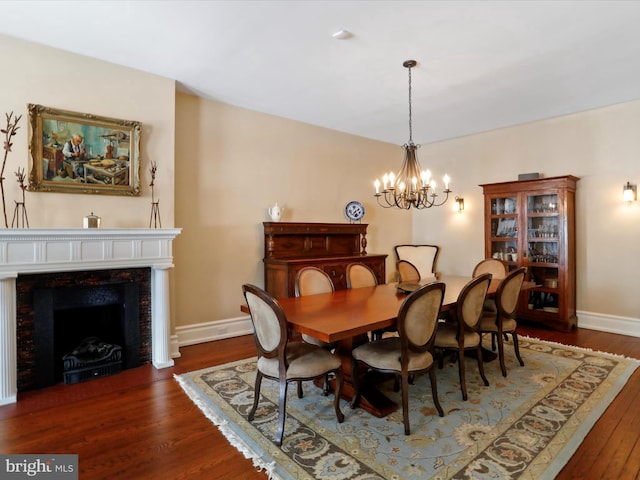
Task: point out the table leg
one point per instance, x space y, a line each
371 399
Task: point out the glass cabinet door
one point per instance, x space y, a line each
543 234
504 228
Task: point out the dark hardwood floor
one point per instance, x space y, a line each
139 424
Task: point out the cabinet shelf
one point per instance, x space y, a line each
533 220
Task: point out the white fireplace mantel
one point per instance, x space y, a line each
46 250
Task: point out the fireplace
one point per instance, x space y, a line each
56 312
78 254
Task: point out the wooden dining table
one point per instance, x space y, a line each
346 316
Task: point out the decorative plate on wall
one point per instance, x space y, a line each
354 211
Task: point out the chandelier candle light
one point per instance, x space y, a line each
412 186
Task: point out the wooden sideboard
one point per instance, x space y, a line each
291 246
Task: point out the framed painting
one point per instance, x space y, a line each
82 153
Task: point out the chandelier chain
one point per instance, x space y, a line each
410 125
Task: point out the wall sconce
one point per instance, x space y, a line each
630 193
458 206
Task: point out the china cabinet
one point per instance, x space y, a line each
531 223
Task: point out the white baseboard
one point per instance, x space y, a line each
174 348
609 323
210 331
234 327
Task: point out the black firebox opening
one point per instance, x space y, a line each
74 326
65 317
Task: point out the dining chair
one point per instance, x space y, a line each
360 275
464 334
407 272
498 270
503 322
283 360
313 281
411 351
423 257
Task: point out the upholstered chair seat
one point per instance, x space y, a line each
448 337
488 324
383 355
304 359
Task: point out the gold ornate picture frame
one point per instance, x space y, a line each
74 152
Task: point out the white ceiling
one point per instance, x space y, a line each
481 64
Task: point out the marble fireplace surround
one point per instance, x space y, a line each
46 250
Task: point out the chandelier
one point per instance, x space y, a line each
412 186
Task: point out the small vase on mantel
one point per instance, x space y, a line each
276 212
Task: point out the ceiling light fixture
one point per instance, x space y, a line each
342 35
411 187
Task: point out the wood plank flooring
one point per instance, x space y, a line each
139 424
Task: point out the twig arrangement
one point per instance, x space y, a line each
20 213
9 132
152 170
155 207
21 177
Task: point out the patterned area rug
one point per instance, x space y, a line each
524 426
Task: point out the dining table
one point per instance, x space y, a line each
345 318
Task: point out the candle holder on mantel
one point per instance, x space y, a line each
155 207
20 218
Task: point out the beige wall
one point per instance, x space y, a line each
600 146
232 164
35 74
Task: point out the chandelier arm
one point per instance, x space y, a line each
398 200
433 202
388 205
424 202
